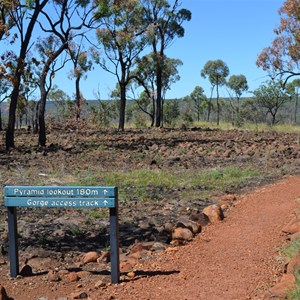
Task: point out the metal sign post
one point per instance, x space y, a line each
63 197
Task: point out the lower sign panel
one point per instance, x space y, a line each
59 202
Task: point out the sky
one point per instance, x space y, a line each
235 31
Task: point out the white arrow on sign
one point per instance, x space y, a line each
105 202
105 192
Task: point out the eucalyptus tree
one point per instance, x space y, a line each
122 36
165 20
24 15
72 19
49 49
237 84
282 57
271 97
199 100
145 75
216 71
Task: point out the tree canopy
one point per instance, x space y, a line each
282 58
216 71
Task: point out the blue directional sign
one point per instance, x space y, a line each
51 196
64 197
59 191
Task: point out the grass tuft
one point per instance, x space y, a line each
290 251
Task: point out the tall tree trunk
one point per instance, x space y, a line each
218 107
158 111
210 104
36 118
41 116
10 132
153 108
122 109
44 93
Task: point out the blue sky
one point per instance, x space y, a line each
234 31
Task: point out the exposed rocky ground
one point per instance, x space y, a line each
67 249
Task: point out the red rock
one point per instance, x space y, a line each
223 205
90 257
136 255
292 227
131 274
63 272
282 288
125 267
187 223
43 263
182 234
214 213
72 277
83 274
200 218
136 248
53 277
172 249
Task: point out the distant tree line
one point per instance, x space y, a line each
129 40
269 104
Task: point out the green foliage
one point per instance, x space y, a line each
75 230
199 101
103 9
271 97
136 183
295 293
238 83
98 213
224 178
216 71
290 251
171 112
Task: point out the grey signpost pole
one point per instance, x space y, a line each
114 241
13 241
